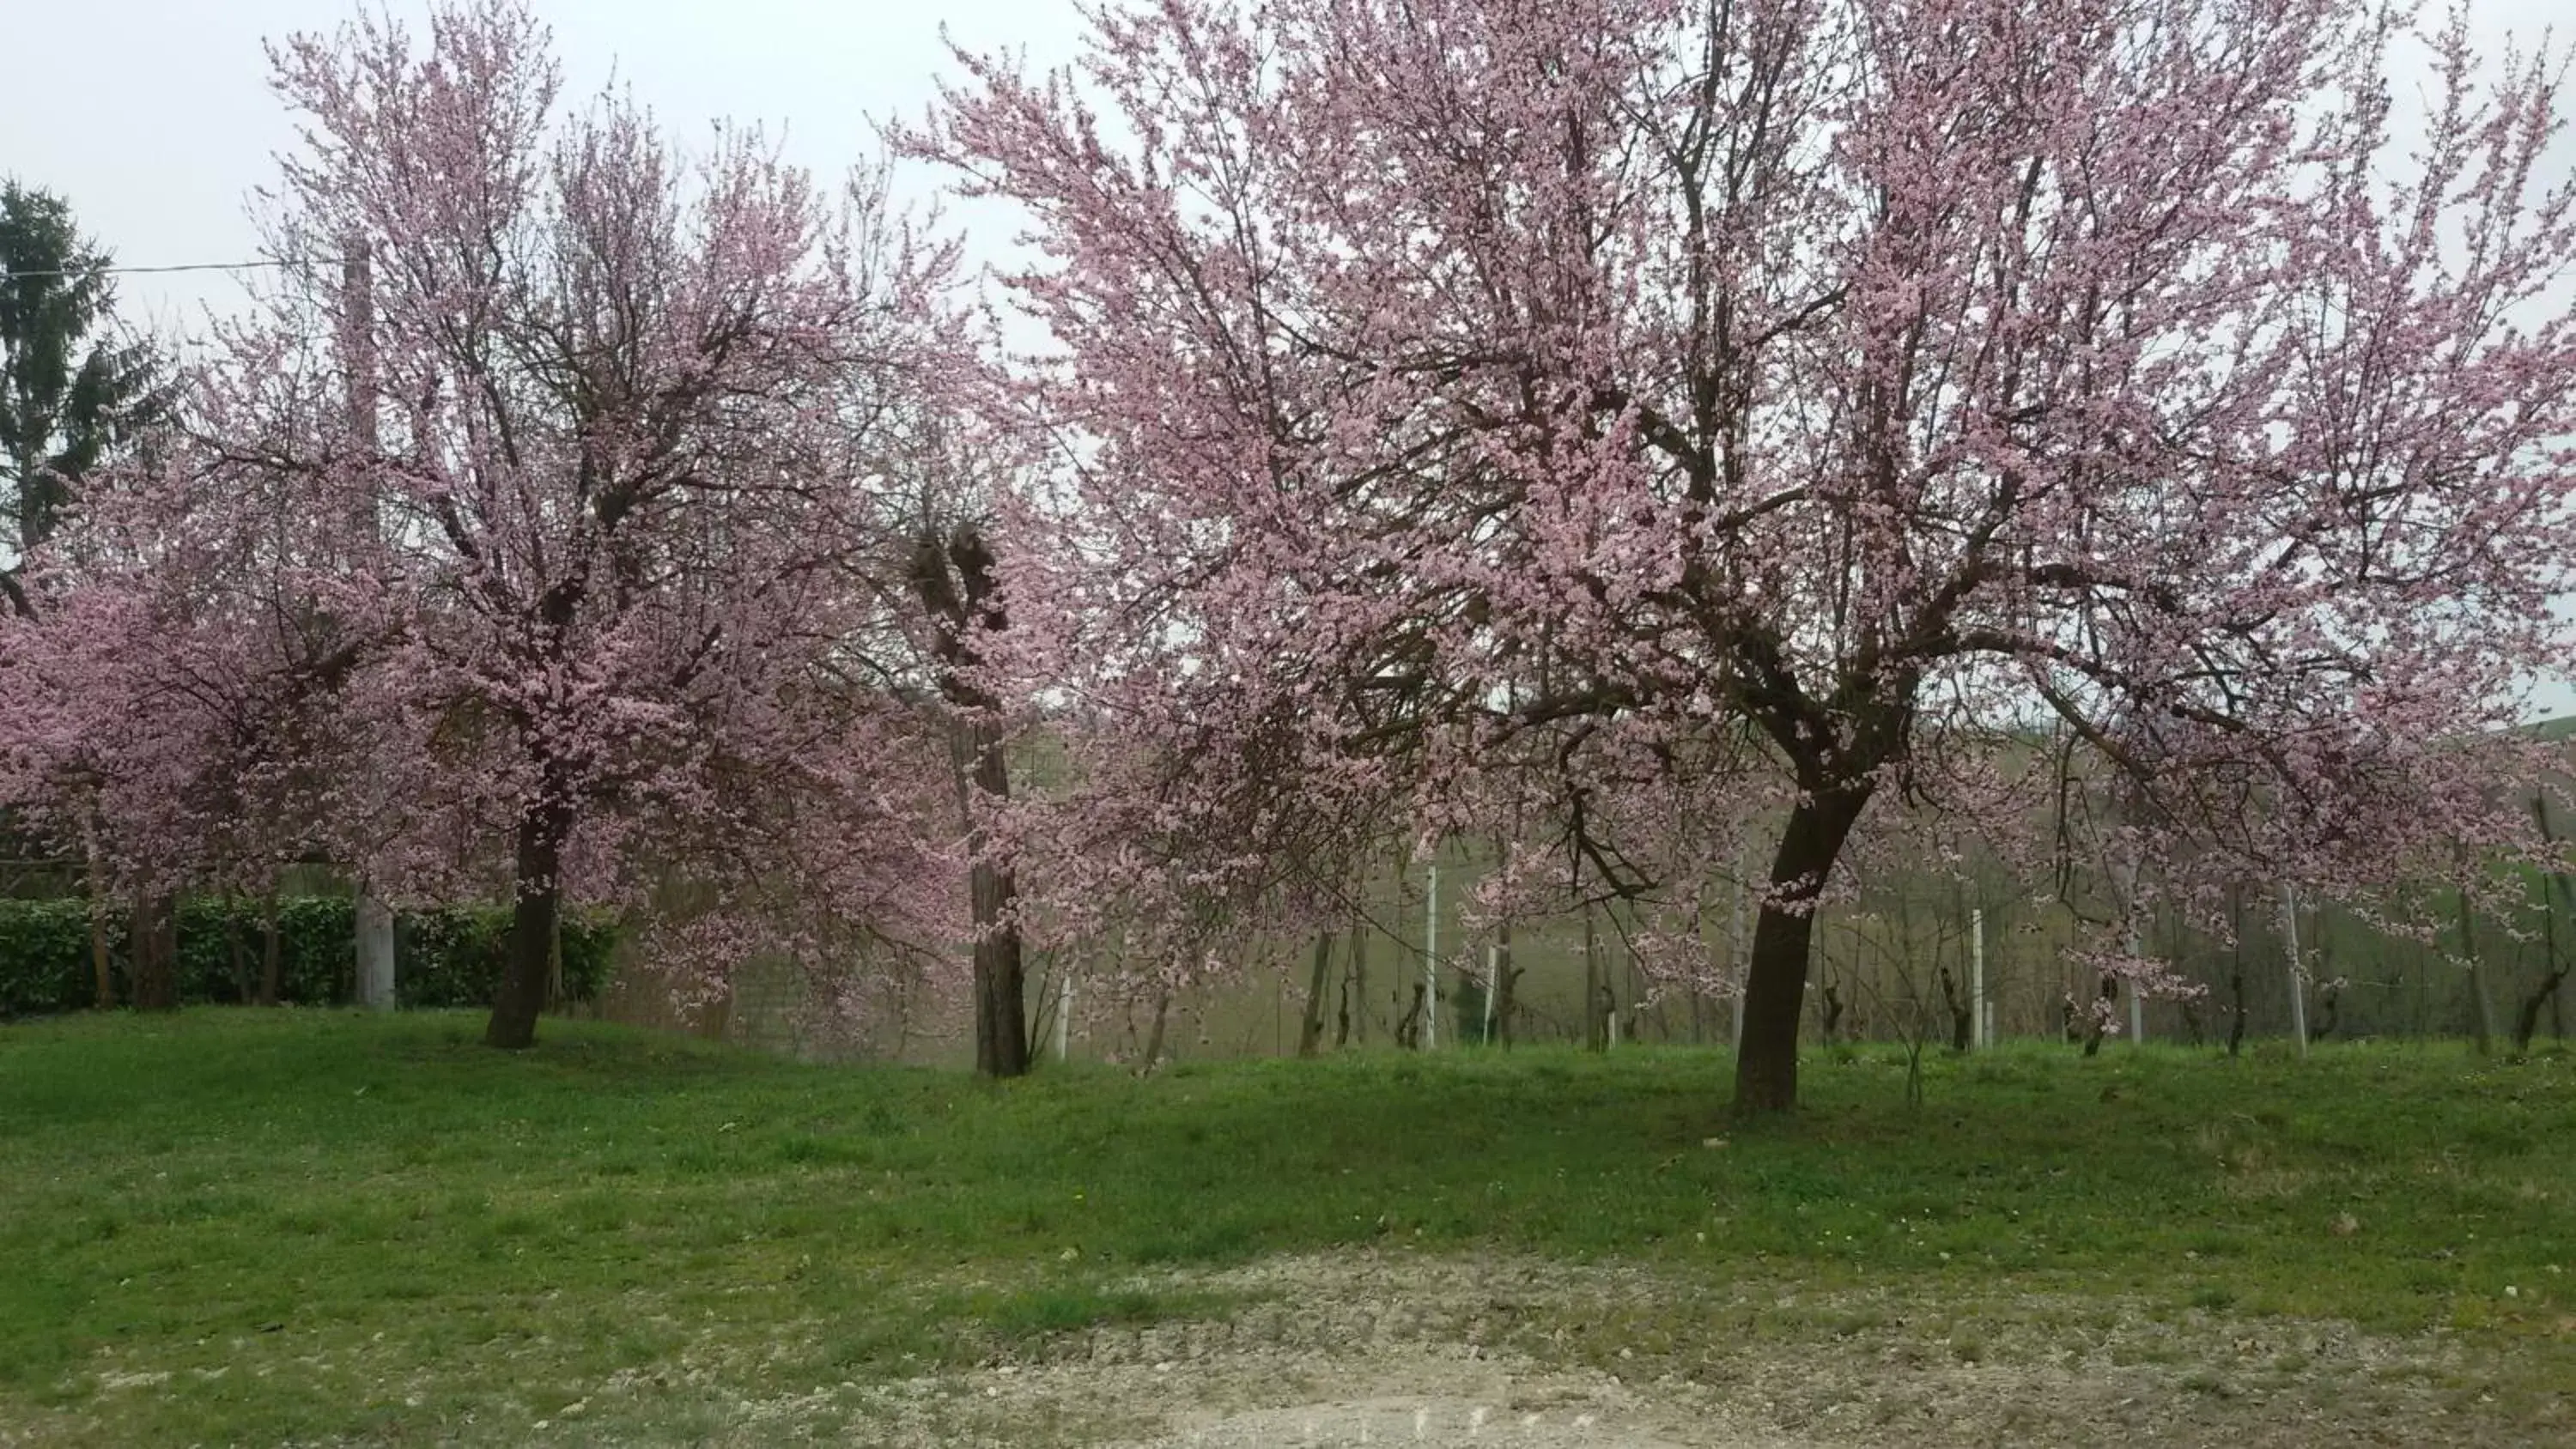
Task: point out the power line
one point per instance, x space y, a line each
7 275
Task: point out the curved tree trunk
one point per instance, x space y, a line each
2526 1022
2555 970
952 576
1775 983
1962 1012
536 910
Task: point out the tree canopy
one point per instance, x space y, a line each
1666 420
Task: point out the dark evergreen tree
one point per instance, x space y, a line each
69 389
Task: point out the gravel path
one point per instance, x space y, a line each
1398 1348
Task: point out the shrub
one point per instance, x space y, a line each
447 955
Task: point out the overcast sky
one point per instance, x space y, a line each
154 119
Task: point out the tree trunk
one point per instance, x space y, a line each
952 575
1001 1014
1154 1042
1735 953
1637 991
156 952
101 959
236 954
1962 1014
983 774
2529 1026
2526 1023
1310 1028
1775 985
2481 1004
1506 982
1359 982
556 996
1001 1030
1408 1027
536 911
374 922
2566 895
2236 970
2236 1026
272 963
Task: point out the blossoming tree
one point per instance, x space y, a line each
1832 390
552 454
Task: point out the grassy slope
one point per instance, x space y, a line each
321 1225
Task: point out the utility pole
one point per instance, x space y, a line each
375 920
1064 1015
1493 983
1981 1024
2298 988
1431 959
1593 1039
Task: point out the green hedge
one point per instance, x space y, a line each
446 956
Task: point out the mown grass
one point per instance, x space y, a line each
236 1226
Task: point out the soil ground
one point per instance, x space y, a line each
1396 1348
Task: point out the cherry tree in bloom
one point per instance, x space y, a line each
944 462
593 415
171 702
1805 400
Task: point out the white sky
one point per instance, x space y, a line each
154 120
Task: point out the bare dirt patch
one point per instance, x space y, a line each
1398 1348
1387 1348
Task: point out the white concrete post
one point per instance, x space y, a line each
2298 983
1982 1023
1431 961
1064 1017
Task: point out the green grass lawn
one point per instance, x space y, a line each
236 1226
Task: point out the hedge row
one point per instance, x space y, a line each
446 956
